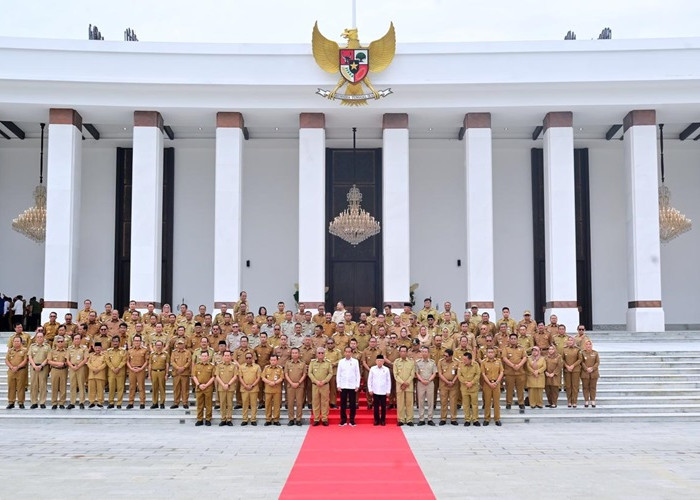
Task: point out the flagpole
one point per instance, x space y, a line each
354 14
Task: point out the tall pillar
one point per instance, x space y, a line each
396 255
479 207
147 209
62 212
560 219
312 209
644 310
227 209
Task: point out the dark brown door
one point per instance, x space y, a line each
122 241
583 235
354 274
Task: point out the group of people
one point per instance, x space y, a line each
17 309
403 360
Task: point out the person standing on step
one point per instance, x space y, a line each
552 376
368 358
514 359
378 386
589 373
448 367
97 376
249 378
426 372
404 374
469 376
59 366
38 359
181 364
272 377
16 360
137 363
77 358
348 381
295 375
572 359
158 366
492 374
536 367
115 358
320 373
203 380
226 375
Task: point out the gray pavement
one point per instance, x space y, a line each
107 458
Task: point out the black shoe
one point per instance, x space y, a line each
173 407
186 407
443 422
221 424
477 424
454 422
261 406
54 407
143 407
217 407
308 406
62 407
162 407
109 407
298 422
154 407
325 423
352 423
421 422
34 407
198 423
119 407
254 423
43 407
410 424
268 424
92 405
244 423
69 407
334 406
99 406
82 406
522 407
238 407
399 424
376 423
129 406
431 423
316 424
467 423
276 423
229 423
207 423
486 423
291 423
10 406
507 407
498 423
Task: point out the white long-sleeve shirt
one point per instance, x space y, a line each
379 380
348 376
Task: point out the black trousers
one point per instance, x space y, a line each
347 395
379 408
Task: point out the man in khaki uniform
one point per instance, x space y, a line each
59 366
530 326
137 363
333 355
249 375
51 328
560 339
525 340
404 372
492 374
272 377
239 357
103 337
16 360
93 326
116 373
469 376
448 367
553 326
572 360
428 309
295 375
203 380
181 364
320 373
158 365
85 312
514 359
226 375
24 337
97 376
263 351
307 352
38 360
426 372
77 358
509 322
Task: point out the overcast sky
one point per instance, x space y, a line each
284 21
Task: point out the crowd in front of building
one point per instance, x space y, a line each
239 360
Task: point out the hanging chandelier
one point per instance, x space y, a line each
354 224
32 222
672 223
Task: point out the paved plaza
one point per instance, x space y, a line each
65 458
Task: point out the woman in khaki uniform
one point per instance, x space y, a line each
552 376
536 366
589 373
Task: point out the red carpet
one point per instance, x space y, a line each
351 462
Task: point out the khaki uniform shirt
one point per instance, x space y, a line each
39 353
50 331
97 362
572 356
17 356
404 372
283 354
470 373
203 372
58 356
226 372
307 353
115 358
514 355
273 373
448 369
137 357
295 370
492 369
320 371
249 374
158 361
263 354
76 355
426 368
181 359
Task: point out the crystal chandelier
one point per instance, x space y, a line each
672 223
32 222
354 224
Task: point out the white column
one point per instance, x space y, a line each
396 255
560 219
62 213
479 207
147 209
227 209
312 210
645 312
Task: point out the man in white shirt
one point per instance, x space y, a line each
378 386
348 381
339 313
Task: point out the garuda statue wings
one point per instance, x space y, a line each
354 62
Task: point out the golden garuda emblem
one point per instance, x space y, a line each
354 63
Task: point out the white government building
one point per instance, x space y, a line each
194 171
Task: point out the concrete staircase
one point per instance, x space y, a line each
644 377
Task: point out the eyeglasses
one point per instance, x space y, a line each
581 329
